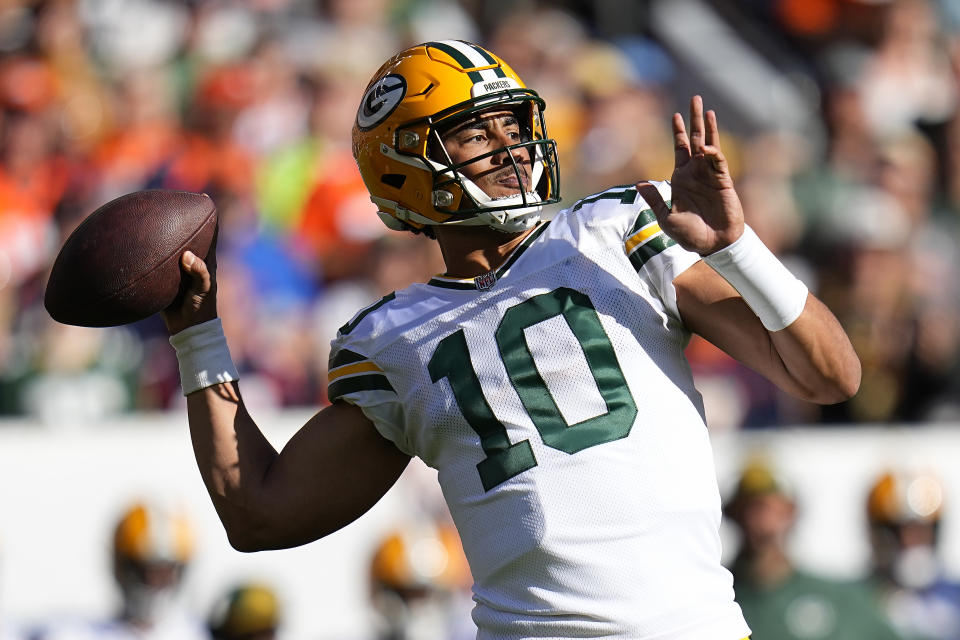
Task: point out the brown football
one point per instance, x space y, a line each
122 264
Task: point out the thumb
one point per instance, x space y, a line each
196 269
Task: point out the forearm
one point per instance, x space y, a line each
233 457
817 357
801 347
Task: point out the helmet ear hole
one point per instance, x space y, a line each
394 180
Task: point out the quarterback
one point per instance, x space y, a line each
542 374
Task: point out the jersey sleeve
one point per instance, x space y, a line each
657 258
358 380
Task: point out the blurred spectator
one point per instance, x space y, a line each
152 547
420 585
904 510
778 599
249 611
253 103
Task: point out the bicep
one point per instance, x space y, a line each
334 469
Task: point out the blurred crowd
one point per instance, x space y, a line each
418 588
839 118
417 584
905 592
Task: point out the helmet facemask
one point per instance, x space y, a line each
466 203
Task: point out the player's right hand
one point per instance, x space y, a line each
198 302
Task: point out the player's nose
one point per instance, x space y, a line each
504 155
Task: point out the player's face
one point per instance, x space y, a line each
489 131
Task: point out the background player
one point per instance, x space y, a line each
780 600
153 544
248 611
420 583
540 375
904 511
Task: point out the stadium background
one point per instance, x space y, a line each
839 117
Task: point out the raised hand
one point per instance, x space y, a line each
705 214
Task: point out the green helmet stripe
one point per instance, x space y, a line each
461 59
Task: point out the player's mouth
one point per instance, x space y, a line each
508 179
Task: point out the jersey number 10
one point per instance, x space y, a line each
504 459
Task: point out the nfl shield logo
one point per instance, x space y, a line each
486 281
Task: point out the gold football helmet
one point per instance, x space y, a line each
415 96
152 545
898 497
421 559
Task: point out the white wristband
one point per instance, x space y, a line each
774 294
203 356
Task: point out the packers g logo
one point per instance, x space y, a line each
380 100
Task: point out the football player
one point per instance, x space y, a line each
419 583
152 546
248 611
542 374
779 599
904 510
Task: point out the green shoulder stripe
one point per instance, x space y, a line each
353 384
625 197
653 246
350 326
345 356
644 218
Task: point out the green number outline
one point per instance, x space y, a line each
581 316
451 360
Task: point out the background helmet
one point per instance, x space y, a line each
398 149
249 611
152 545
901 497
420 559
420 584
904 510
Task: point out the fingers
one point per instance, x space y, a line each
681 144
652 196
712 130
696 126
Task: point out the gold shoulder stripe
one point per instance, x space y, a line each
641 236
350 369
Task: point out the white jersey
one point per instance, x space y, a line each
554 399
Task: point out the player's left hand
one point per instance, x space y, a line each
706 214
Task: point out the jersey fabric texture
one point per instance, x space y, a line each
555 401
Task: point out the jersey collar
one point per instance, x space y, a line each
488 280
